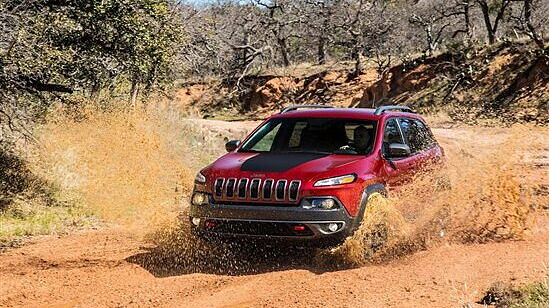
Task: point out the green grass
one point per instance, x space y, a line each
17 222
504 295
535 295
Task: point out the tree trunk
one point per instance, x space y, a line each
491 28
430 41
527 19
467 16
94 91
358 66
487 22
358 62
284 51
134 94
321 52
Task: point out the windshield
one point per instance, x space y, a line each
317 135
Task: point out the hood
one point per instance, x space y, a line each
275 162
276 165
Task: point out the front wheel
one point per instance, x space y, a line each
373 232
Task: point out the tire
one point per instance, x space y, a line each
368 192
375 235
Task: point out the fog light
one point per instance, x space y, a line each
323 203
199 199
196 221
333 227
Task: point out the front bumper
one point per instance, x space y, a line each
272 224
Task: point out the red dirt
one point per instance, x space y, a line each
89 269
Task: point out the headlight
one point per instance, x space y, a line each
199 199
319 203
200 178
344 179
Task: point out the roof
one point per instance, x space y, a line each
364 113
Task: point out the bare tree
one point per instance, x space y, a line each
525 24
492 23
234 38
435 18
225 39
364 21
462 8
321 17
280 20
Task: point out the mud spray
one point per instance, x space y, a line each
485 193
136 169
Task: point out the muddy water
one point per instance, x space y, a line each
135 170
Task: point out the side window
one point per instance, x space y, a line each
391 134
416 134
409 130
426 138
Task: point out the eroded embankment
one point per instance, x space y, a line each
506 81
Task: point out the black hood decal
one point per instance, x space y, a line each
278 162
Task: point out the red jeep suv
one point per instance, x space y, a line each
304 176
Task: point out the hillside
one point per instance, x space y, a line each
506 81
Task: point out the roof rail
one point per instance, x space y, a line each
382 109
296 107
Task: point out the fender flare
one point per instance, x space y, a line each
369 190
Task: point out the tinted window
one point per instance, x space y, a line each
267 133
295 138
336 136
426 138
416 134
391 134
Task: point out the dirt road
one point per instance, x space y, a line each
114 267
96 269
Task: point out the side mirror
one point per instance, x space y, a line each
399 150
232 145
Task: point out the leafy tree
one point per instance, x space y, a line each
50 47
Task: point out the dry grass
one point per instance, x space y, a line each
30 218
505 295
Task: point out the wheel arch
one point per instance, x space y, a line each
368 191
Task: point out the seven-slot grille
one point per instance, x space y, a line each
257 189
